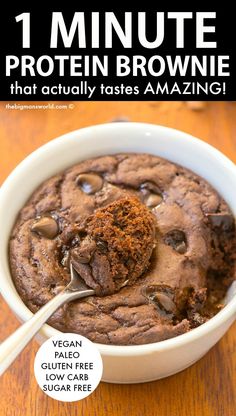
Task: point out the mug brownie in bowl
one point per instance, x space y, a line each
155 241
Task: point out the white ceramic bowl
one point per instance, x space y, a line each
122 364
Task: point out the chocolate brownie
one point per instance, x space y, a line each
155 241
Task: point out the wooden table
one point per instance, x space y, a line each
208 387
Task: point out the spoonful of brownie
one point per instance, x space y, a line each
117 246
114 252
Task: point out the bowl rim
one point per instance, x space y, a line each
227 313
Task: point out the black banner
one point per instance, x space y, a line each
90 54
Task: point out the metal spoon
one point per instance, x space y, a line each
15 343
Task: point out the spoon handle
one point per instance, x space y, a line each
16 342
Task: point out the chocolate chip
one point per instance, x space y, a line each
81 256
151 194
181 248
225 221
164 302
89 182
177 240
162 297
150 186
84 252
152 200
149 290
46 227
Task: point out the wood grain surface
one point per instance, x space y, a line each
208 388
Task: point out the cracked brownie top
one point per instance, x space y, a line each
153 239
